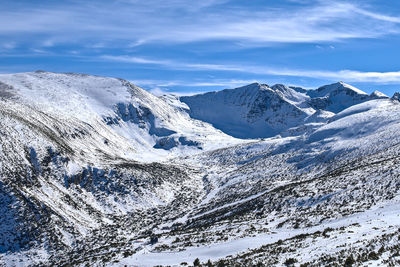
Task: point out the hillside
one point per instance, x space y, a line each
97 171
257 110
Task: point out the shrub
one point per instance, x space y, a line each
290 261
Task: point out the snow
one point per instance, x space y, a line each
364 107
378 94
91 99
380 216
259 111
83 146
336 88
246 112
369 119
74 94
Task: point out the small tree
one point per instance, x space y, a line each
153 240
373 256
290 261
196 262
349 261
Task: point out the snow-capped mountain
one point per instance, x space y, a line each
339 96
251 111
257 110
97 171
128 121
73 153
396 96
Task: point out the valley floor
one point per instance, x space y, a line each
346 233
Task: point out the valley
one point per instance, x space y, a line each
95 171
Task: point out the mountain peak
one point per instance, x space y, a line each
279 86
293 94
338 87
251 111
377 94
252 86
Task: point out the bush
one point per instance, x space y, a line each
153 240
290 261
349 261
373 256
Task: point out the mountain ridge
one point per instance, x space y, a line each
96 171
255 100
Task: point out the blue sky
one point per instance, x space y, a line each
187 46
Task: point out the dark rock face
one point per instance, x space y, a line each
168 143
6 91
142 116
396 96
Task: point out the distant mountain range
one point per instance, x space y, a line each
257 110
97 171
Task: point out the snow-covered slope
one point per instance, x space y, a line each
70 146
251 111
339 96
257 110
317 199
133 122
96 171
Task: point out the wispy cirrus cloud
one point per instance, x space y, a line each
377 16
209 83
347 75
170 63
130 23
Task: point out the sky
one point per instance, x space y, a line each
185 47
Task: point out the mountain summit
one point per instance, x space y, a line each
257 110
251 111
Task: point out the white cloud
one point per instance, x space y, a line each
38 51
140 60
377 16
163 84
131 22
346 75
8 45
171 64
374 77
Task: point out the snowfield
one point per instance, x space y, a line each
95 171
386 216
